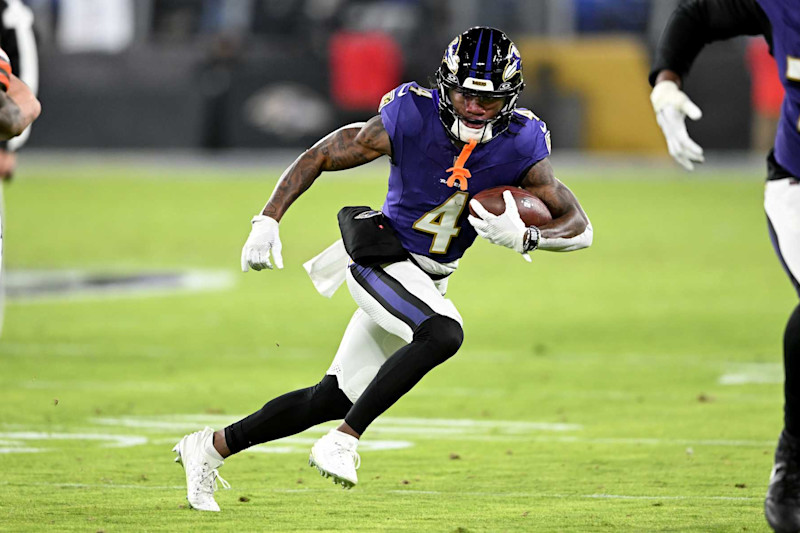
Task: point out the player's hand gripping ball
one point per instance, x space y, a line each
531 209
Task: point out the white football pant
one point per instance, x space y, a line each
782 204
393 300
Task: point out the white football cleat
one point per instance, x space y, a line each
201 469
335 456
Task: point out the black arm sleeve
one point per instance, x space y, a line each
695 23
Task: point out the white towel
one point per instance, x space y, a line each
327 270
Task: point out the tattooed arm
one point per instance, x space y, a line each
18 108
347 147
568 216
570 228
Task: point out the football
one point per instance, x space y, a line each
532 210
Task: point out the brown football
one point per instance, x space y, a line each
532 210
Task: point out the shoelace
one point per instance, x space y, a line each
217 477
345 451
212 484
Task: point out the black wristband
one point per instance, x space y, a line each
531 240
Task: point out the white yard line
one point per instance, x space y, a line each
111 441
393 425
570 496
79 349
462 429
143 486
59 286
390 433
456 494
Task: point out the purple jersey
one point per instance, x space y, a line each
784 17
430 216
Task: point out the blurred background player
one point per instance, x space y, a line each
446 144
18 105
18 41
766 94
693 24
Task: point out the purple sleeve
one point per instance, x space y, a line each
533 141
401 115
390 110
542 142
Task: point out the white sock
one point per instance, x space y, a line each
349 439
212 452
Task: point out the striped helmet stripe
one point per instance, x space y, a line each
472 71
488 74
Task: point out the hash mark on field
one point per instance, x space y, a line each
759 373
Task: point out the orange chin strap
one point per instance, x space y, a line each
458 171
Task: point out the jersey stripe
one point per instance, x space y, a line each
391 294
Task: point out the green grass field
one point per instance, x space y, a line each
633 386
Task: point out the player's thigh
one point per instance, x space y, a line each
364 348
398 297
782 205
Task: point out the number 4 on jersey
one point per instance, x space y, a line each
441 222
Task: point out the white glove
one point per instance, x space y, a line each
506 230
263 238
672 106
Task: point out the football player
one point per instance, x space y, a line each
18 41
693 24
445 145
19 107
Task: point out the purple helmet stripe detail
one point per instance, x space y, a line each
488 74
472 71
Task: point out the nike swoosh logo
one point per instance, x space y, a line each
403 90
543 128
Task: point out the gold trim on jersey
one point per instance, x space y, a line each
387 98
792 68
419 91
527 113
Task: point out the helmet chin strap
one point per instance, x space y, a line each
465 134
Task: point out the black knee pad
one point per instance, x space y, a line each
443 334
